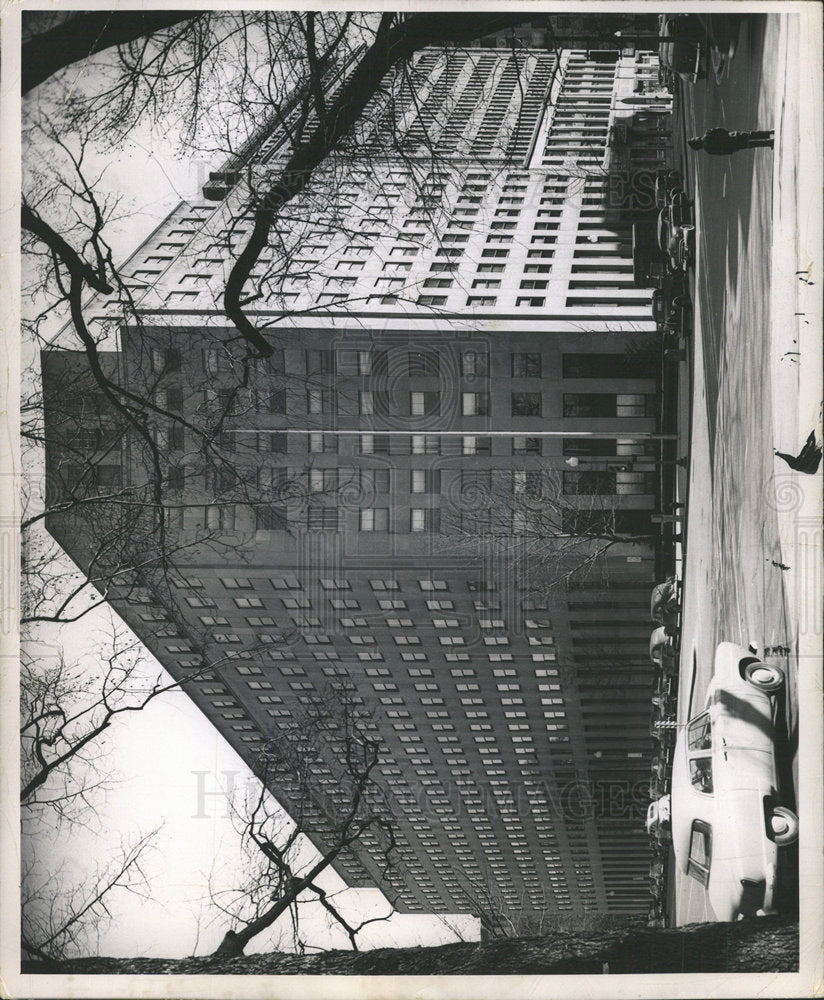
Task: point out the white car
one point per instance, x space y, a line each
728 822
662 650
658 813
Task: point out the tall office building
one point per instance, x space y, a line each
462 381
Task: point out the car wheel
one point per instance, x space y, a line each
784 825
765 676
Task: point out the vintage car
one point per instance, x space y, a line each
728 819
658 813
664 603
672 313
666 181
663 651
679 48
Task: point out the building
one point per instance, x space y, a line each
466 360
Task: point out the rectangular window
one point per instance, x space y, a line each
522 445
526 365
323 519
589 482
374 519
425 444
423 404
424 519
475 404
425 481
374 480
609 366
319 442
526 404
473 445
474 363
602 404
423 363
271 518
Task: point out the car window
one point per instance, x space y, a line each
701 773
699 734
698 865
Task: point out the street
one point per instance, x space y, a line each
745 395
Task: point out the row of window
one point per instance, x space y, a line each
479 404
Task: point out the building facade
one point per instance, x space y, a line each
437 490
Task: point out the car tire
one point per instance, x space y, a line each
766 677
783 825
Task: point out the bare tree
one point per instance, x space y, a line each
338 806
66 713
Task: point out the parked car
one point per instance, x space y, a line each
664 602
664 696
728 820
681 248
663 651
672 312
658 814
666 181
679 49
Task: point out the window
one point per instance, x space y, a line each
473 445
589 482
475 404
608 366
699 733
526 404
375 444
323 480
481 300
701 774
374 481
698 863
317 401
428 585
526 365
320 362
319 442
431 300
424 404
425 363
474 363
425 481
602 404
374 519
424 519
323 519
526 445
531 301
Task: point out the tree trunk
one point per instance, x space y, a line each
82 35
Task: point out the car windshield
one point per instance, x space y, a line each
699 733
701 773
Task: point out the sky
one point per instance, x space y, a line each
168 754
